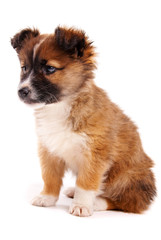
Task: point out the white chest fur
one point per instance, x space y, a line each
55 133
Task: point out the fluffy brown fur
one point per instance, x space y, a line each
113 160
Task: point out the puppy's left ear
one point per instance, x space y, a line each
19 39
71 41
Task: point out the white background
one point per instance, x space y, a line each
127 35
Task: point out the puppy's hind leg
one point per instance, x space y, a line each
70 192
103 204
100 204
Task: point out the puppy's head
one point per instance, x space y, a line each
53 66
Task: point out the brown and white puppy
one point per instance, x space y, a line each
79 128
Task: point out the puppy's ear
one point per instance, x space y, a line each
18 40
70 40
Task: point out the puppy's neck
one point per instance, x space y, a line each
71 110
55 110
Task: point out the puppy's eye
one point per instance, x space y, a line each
49 69
24 69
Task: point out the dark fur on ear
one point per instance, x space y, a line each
18 40
71 40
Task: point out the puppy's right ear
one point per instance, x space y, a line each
19 39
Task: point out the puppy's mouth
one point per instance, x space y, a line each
27 96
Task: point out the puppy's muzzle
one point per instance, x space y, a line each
24 93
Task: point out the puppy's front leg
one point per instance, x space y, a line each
83 202
52 173
87 186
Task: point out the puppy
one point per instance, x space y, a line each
79 128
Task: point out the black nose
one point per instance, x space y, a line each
24 92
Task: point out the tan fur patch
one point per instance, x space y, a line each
54 63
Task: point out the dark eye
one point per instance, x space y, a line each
24 69
49 69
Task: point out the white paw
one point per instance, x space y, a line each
44 201
70 192
100 204
80 211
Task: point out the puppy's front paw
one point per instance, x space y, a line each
80 211
44 201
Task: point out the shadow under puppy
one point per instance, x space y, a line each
79 128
